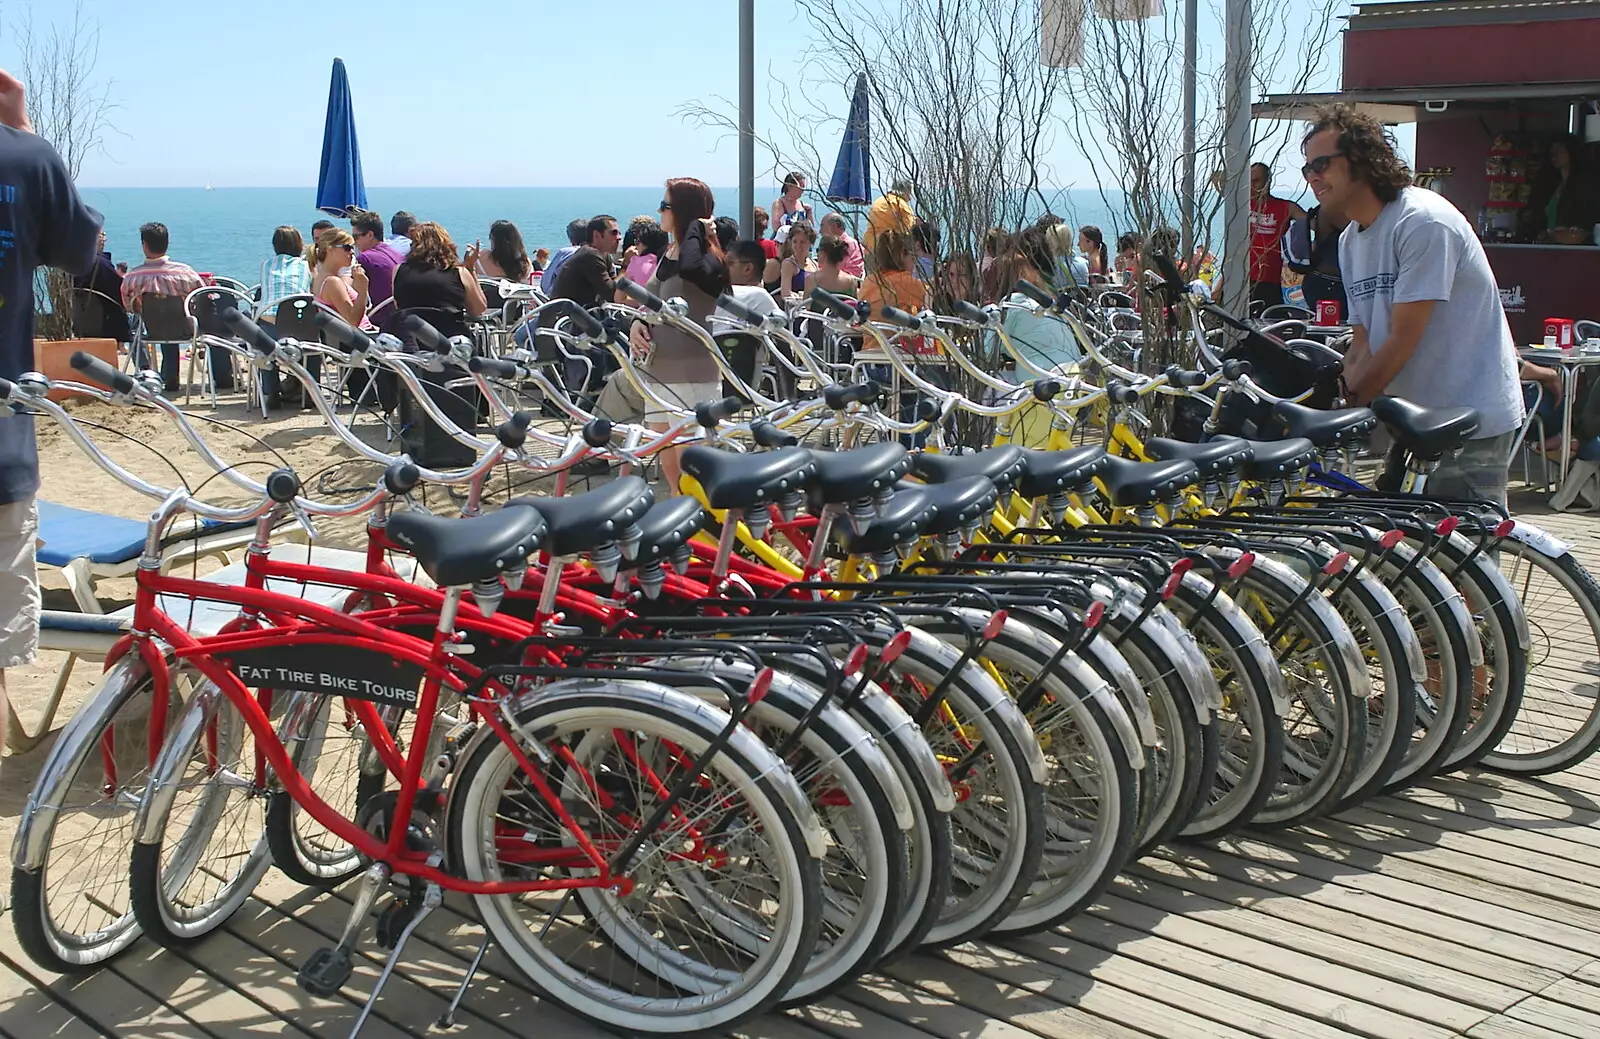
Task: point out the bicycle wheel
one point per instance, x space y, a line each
69 887
864 814
765 862
997 828
1249 735
1324 716
929 855
1090 794
1558 723
321 733
1500 625
200 847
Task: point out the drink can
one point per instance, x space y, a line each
1328 312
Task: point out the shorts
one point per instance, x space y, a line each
1480 470
19 583
621 402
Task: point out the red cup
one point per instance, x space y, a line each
1328 312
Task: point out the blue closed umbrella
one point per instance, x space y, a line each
340 187
852 170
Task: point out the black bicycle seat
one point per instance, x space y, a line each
585 521
902 521
1132 484
735 481
1326 429
1052 472
1427 433
667 527
844 476
1003 465
457 552
1217 459
1277 459
960 503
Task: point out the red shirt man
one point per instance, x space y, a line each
1269 219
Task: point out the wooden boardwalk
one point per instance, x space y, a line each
1469 906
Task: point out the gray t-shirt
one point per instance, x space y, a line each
1422 248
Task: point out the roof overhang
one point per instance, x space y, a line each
1406 104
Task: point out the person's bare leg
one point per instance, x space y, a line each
670 470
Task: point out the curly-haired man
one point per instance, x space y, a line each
1424 307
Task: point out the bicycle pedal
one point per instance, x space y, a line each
325 972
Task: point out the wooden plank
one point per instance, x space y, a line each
1362 868
1251 980
1556 1016
215 1009
1502 1026
29 1012
105 1001
1522 822
1155 909
1491 953
1129 974
1052 1000
888 1010
1170 888
1575 993
1549 854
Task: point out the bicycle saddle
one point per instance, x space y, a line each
1216 459
735 481
667 527
1131 484
1426 432
1004 465
1276 459
1326 429
960 503
901 522
1052 472
582 522
844 476
457 552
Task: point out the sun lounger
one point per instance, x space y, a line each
91 636
88 546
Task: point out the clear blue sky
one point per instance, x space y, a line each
526 93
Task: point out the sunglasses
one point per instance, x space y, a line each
664 206
1319 165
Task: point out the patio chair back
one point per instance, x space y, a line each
209 304
95 314
166 319
293 318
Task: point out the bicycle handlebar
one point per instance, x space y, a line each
710 413
342 333
842 395
427 337
96 370
899 318
1027 288
640 295
727 302
253 334
834 305
970 312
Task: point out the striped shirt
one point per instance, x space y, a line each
159 277
283 276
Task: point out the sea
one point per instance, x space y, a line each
228 231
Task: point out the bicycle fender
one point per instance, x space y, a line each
1539 539
166 778
49 790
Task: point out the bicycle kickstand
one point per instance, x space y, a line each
448 1018
432 898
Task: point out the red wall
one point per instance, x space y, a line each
1476 55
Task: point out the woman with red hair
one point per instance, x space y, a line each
678 368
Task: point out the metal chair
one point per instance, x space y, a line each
97 315
289 317
1287 312
207 306
164 322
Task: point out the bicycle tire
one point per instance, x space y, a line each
761 781
1582 716
1498 629
123 693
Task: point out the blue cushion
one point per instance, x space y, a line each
65 620
73 534
70 534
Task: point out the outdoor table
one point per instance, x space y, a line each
1569 363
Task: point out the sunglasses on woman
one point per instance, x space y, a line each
664 206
